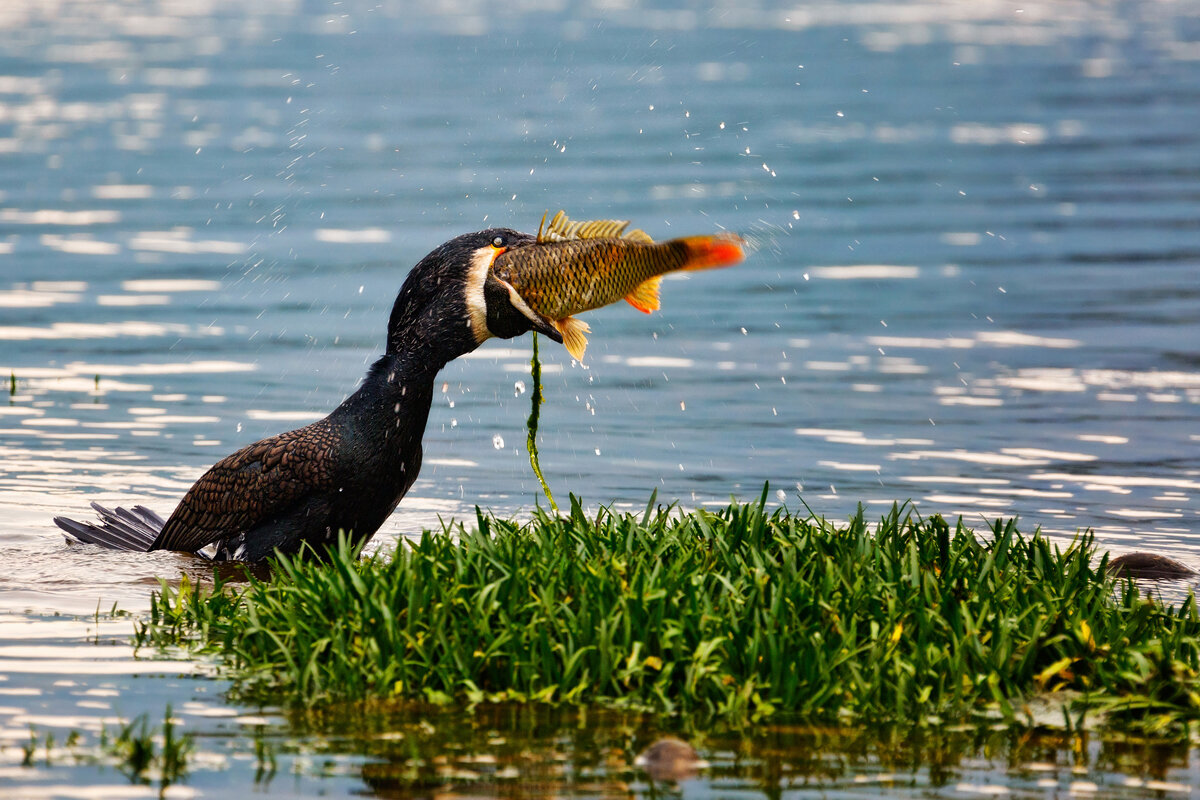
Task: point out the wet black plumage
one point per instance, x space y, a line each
349 470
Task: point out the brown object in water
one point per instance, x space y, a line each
670 759
1149 565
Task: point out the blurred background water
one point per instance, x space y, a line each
974 281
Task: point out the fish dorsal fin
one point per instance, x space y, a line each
574 333
562 229
638 235
644 296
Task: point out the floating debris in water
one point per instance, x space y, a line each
670 759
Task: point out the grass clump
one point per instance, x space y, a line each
739 612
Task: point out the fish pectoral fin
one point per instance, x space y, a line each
574 335
644 297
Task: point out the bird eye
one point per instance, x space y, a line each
498 241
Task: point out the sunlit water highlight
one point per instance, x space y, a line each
973 285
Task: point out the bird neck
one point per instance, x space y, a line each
399 384
393 400
428 338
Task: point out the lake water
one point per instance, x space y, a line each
974 285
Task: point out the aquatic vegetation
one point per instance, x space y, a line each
137 749
738 613
531 425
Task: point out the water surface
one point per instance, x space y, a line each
974 284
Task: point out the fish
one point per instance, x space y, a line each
579 266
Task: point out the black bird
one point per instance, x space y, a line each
348 471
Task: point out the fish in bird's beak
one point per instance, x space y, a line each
575 267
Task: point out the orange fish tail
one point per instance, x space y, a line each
711 252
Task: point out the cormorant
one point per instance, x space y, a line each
348 471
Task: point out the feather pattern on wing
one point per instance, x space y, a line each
257 483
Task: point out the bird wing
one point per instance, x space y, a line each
254 485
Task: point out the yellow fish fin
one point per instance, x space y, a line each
638 235
574 335
600 229
552 232
560 228
644 297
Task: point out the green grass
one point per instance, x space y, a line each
736 613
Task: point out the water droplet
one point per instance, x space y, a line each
519 386
498 442
597 451
781 494
239 427
453 423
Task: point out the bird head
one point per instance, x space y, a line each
452 300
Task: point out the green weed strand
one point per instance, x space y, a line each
531 425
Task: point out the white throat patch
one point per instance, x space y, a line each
481 262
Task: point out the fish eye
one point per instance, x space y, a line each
498 241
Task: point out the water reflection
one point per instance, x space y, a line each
69 678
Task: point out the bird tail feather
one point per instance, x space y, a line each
120 529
